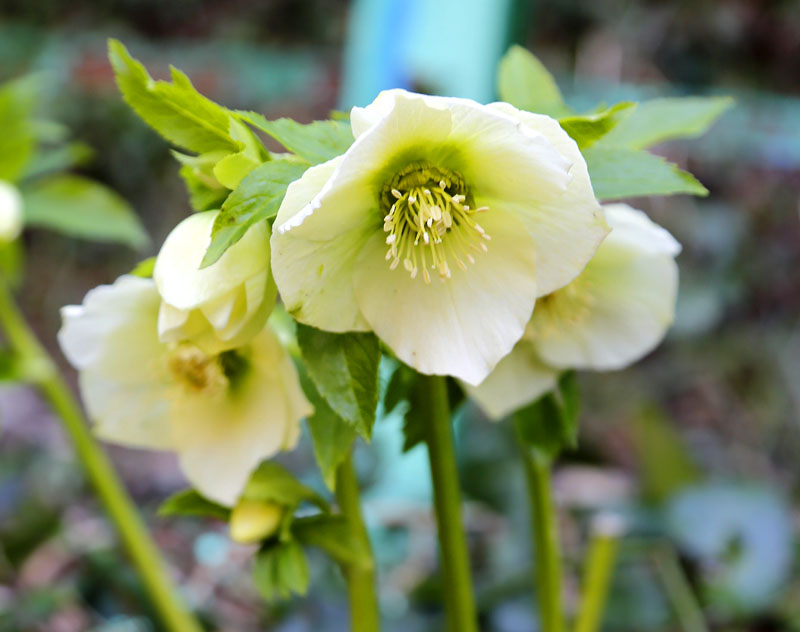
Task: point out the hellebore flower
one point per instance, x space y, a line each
221 413
499 210
10 212
613 314
223 305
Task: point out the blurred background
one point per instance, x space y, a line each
698 445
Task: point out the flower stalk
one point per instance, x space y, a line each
120 508
364 612
547 571
459 598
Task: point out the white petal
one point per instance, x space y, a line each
220 439
632 228
11 219
177 272
518 380
315 278
461 327
619 308
566 229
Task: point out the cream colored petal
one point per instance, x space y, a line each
461 327
566 229
620 307
631 228
221 438
519 379
177 272
11 218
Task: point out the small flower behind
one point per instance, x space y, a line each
223 305
221 412
437 229
10 212
614 313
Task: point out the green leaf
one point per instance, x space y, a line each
144 268
587 129
80 207
550 424
17 140
660 120
618 172
281 570
175 110
190 503
344 368
524 82
315 142
570 402
257 198
333 535
61 158
331 436
272 482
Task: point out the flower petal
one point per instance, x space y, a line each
461 327
566 229
518 380
221 439
619 308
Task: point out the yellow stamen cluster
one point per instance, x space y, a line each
197 371
429 222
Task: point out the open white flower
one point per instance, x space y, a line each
223 305
500 210
614 313
10 212
221 413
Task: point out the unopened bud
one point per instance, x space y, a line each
254 520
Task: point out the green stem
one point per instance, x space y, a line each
364 613
679 592
457 580
118 505
603 546
547 569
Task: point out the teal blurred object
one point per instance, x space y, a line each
447 47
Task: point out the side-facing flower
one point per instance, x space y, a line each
223 305
437 189
10 212
614 313
221 413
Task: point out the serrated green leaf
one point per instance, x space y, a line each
80 207
524 82
344 368
333 535
281 570
331 436
271 482
660 120
587 129
17 140
315 142
175 110
190 503
619 172
257 198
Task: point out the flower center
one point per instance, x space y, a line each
429 222
200 372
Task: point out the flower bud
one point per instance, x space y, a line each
223 305
10 212
254 520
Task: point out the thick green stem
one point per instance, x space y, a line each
457 580
364 612
606 531
547 569
121 510
679 592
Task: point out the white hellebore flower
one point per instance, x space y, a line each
222 414
10 212
613 314
495 203
223 305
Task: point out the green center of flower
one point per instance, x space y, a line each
200 372
429 221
